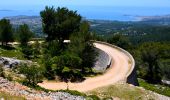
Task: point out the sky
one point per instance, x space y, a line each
138 3
91 9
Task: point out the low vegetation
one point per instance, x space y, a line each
5 96
33 74
122 91
11 52
161 89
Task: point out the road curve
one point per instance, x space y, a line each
118 71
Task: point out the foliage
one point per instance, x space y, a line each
73 92
33 73
66 66
150 56
12 52
36 49
49 72
93 97
120 41
82 46
67 60
161 89
152 61
165 68
27 51
24 34
51 48
1 71
59 23
138 32
6 32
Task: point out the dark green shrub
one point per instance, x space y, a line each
93 97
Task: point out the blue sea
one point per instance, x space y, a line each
92 12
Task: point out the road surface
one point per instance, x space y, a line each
120 66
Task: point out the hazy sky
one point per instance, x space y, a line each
91 9
140 3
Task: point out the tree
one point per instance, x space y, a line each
36 49
32 73
166 69
27 51
6 34
24 34
50 50
82 46
150 56
120 41
66 65
59 23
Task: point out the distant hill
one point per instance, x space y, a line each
98 26
34 22
161 20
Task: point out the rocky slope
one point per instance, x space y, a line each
30 94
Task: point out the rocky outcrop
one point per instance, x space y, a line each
12 62
166 82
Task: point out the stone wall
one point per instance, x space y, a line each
103 61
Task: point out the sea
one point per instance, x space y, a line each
92 12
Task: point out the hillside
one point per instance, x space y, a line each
162 20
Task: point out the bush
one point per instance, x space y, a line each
1 71
33 73
66 66
93 97
9 77
73 92
108 98
27 51
161 89
120 41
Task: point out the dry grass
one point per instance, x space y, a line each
122 91
6 96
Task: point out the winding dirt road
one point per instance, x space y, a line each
120 67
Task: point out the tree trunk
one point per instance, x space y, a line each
6 43
150 72
61 43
